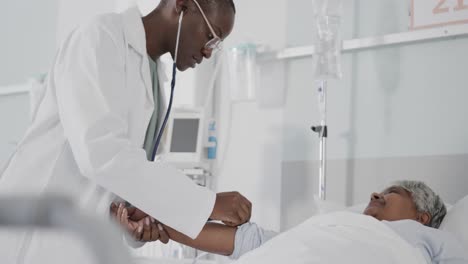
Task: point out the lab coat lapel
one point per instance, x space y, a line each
135 36
146 77
164 93
164 87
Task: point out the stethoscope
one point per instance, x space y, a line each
173 83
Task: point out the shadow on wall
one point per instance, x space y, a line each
387 71
298 183
387 62
271 92
270 177
351 135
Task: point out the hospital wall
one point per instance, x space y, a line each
27 47
28 31
398 113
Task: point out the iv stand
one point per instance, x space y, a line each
322 131
328 49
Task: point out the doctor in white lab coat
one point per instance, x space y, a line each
89 126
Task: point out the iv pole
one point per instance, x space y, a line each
322 131
328 67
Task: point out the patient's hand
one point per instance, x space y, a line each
138 224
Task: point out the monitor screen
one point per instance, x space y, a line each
184 135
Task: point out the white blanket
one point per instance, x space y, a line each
336 238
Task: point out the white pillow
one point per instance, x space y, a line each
456 221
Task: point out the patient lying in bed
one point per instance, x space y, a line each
409 213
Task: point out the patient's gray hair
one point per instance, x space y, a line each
426 200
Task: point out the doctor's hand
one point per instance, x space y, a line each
232 209
138 224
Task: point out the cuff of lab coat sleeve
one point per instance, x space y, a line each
204 213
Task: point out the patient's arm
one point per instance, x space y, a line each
214 238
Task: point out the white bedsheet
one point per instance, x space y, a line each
336 238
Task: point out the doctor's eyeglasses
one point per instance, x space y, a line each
215 42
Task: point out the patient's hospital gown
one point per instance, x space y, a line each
437 247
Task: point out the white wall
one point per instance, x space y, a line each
28 30
14 117
27 48
395 97
72 13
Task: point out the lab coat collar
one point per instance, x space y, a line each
134 30
135 36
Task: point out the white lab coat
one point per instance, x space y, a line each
86 136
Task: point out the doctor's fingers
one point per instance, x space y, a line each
244 214
113 208
124 217
137 214
154 236
163 236
241 214
248 209
131 211
137 232
119 212
244 210
147 232
233 219
246 203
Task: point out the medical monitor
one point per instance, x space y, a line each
184 145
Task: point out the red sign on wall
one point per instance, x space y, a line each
435 13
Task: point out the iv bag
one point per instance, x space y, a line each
243 72
328 39
328 7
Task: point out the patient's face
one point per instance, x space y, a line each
395 203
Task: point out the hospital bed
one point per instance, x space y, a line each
344 235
